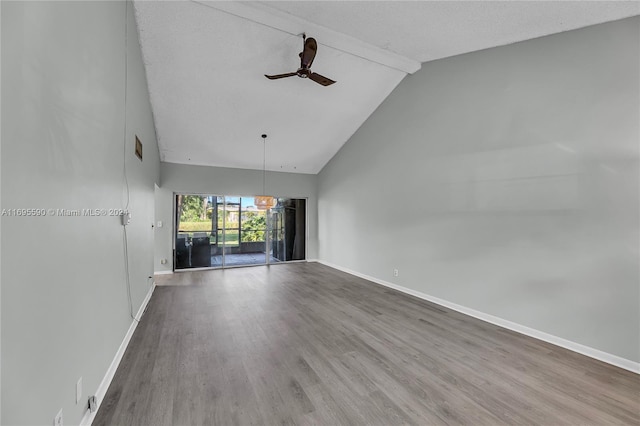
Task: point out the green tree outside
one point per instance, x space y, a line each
253 228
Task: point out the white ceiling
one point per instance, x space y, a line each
205 62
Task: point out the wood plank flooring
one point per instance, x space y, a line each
306 344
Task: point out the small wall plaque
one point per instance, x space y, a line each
138 148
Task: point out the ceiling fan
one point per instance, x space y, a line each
306 59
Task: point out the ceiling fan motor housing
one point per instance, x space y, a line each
304 72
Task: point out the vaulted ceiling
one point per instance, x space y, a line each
206 60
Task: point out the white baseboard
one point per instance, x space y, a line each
624 363
162 272
88 417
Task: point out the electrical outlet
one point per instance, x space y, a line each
163 261
125 218
93 404
79 390
395 272
57 421
159 224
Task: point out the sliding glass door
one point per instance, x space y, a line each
244 228
193 231
288 230
228 231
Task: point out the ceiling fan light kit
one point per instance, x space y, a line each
308 54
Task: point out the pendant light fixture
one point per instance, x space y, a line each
264 202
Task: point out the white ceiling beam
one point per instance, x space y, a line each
263 14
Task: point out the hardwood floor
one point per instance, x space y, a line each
306 344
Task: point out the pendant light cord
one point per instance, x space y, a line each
264 164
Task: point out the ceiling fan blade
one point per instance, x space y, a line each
309 52
320 79
275 77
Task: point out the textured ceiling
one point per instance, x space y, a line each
428 30
205 63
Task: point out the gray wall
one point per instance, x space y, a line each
64 300
505 181
181 178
